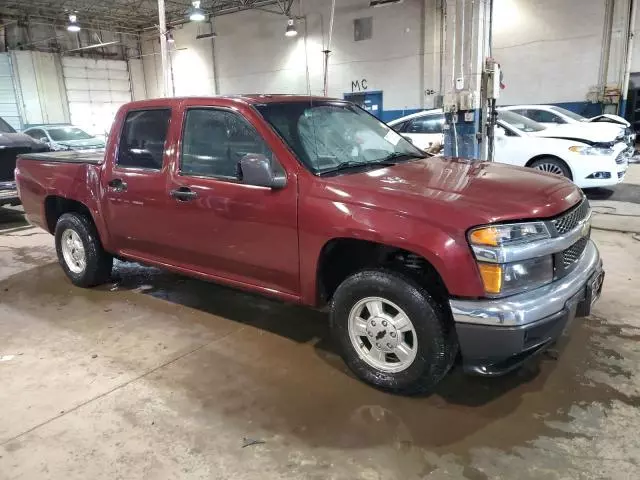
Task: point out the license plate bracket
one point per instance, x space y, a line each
593 289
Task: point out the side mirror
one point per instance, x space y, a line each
256 169
408 139
44 139
500 132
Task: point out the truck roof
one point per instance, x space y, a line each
250 99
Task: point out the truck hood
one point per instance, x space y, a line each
586 132
456 194
18 140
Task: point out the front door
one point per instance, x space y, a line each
369 101
216 224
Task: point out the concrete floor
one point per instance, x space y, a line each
158 376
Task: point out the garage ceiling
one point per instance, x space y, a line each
128 14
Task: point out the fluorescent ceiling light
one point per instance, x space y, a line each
196 14
291 28
73 25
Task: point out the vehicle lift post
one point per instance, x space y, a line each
471 79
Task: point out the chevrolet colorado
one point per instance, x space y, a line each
419 260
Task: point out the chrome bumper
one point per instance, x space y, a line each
530 307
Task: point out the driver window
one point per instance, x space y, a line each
214 142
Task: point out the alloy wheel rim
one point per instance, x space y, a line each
549 168
73 251
382 334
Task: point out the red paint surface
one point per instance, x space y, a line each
270 240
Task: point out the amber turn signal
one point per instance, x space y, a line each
484 236
491 274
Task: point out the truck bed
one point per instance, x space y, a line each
94 158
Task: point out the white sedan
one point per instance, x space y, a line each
586 163
561 122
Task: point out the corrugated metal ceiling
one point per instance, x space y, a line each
127 14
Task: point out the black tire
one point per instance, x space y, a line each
436 340
555 162
98 262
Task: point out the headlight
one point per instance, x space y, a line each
500 279
585 150
509 278
499 235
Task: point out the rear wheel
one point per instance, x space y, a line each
80 251
391 333
552 165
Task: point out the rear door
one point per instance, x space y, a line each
216 224
135 185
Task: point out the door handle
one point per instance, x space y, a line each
183 194
117 185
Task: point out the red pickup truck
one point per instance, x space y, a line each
420 260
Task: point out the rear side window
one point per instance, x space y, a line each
37 134
428 124
542 116
214 142
142 139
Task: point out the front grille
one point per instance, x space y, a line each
8 162
572 254
570 220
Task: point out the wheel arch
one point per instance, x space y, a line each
341 257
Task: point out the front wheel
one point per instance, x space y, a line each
552 165
80 251
391 333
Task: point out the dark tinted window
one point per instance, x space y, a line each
427 124
214 141
142 139
37 134
543 116
399 127
5 127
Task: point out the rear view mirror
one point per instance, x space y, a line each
256 169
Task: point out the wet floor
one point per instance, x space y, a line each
160 376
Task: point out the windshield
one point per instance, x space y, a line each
65 134
569 113
519 122
5 127
326 135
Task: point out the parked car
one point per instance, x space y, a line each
588 164
565 123
65 137
12 144
314 201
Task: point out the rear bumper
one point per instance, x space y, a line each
9 193
498 335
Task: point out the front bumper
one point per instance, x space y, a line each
498 335
9 193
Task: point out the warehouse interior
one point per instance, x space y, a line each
159 375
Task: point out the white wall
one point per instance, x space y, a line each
549 50
191 60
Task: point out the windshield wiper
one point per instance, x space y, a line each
351 164
398 155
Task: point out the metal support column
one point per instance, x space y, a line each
162 24
468 110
